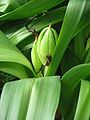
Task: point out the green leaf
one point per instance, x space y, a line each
70 23
69 81
14 69
87 60
19 35
69 60
9 5
79 45
30 99
85 18
83 106
31 8
10 53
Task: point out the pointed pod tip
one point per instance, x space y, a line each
50 25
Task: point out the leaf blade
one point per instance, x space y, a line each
22 12
24 93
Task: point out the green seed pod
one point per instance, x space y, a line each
46 45
34 57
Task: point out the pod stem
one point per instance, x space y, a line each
50 25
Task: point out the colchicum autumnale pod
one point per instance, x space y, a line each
46 44
34 57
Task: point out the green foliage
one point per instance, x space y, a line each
83 106
30 99
24 11
10 53
38 98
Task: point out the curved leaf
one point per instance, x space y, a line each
30 99
9 5
14 69
83 106
31 8
69 82
10 53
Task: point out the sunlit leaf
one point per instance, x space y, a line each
30 99
10 53
83 106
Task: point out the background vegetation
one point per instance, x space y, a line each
65 87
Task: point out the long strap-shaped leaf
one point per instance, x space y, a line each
83 106
85 19
69 82
31 8
72 17
14 69
9 5
10 53
79 43
30 99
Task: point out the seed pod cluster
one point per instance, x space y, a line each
43 48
